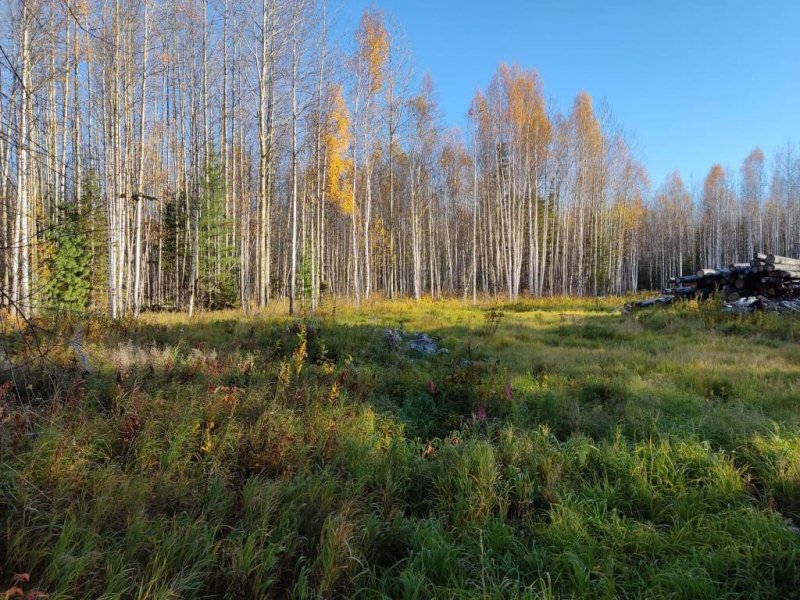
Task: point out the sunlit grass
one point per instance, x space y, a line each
653 455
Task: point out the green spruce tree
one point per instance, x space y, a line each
217 265
69 264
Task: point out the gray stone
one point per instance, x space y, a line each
419 343
424 344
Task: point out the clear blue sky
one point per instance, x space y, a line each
696 82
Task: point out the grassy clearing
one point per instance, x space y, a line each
652 456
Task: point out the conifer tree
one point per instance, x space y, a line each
217 263
69 265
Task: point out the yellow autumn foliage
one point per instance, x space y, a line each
587 127
373 47
479 112
522 104
336 138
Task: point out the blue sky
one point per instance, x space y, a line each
695 82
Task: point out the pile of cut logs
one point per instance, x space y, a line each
767 282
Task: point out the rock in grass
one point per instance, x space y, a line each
424 344
791 525
419 343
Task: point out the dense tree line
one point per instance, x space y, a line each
210 153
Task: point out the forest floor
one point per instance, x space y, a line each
559 449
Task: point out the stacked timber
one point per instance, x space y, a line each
767 282
767 275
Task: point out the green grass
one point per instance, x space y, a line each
646 456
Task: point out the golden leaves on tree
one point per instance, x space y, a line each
337 141
513 112
373 47
587 127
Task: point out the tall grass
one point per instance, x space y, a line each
567 452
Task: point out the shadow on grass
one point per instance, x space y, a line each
309 459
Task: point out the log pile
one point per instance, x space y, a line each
767 282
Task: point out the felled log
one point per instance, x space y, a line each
690 278
662 300
788 274
684 290
713 272
774 259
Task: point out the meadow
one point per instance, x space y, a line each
558 448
